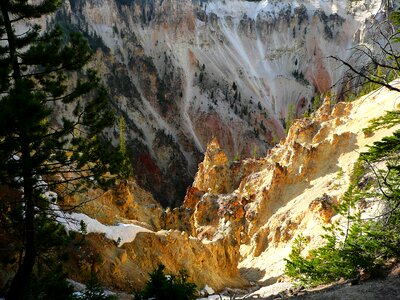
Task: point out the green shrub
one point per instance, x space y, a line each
166 287
50 285
363 244
338 258
94 291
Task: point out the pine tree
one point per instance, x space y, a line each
125 164
290 115
35 78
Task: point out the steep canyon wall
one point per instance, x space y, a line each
239 218
181 72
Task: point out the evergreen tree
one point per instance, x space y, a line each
35 78
290 115
165 287
125 164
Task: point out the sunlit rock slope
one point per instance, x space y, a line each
240 217
266 203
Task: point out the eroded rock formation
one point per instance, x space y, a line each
239 218
181 72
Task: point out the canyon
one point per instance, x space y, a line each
239 218
207 90
241 122
181 72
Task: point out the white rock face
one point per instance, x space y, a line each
207 290
182 71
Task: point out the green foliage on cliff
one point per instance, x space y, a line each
290 116
363 244
360 245
124 161
165 287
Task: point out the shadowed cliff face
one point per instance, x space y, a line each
181 72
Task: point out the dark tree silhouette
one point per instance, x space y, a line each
40 71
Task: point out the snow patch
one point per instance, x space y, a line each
80 289
120 233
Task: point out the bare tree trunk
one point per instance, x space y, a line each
20 283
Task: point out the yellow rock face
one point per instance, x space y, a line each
266 203
210 176
127 267
239 219
126 203
218 175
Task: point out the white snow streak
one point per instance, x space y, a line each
120 233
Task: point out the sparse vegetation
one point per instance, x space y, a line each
164 287
299 76
362 243
289 116
236 157
125 168
255 151
94 291
316 102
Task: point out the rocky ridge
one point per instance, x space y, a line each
239 218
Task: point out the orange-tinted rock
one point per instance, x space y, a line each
126 201
244 215
324 207
207 263
193 196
